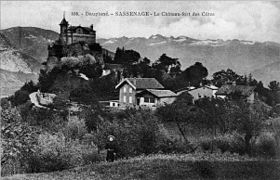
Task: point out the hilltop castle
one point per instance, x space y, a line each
77 40
72 34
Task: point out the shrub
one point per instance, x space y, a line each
51 120
206 144
266 145
136 132
92 157
223 143
55 153
167 146
20 97
75 129
237 144
18 142
5 103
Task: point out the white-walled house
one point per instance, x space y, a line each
156 97
143 92
200 92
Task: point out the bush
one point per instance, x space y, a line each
20 97
266 145
223 143
18 142
232 143
237 144
206 144
51 120
55 153
75 129
168 146
92 157
136 132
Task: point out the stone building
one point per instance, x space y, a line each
72 34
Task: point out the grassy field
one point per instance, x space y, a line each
165 167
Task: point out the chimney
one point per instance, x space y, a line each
91 26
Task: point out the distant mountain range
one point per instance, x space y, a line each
244 57
23 49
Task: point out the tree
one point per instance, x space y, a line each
274 86
247 120
29 87
214 114
181 112
18 139
91 70
20 97
195 74
146 61
223 77
5 103
125 57
165 63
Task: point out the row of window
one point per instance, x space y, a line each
130 90
149 100
129 99
146 99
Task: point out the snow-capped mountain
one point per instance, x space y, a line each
242 56
23 49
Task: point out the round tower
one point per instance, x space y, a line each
63 29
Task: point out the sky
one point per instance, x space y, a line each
246 20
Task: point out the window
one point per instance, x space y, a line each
130 99
149 99
124 99
124 89
146 99
130 90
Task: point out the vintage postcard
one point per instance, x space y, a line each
140 89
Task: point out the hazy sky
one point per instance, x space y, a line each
256 21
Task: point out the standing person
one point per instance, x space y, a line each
111 148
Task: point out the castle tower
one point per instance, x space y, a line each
63 29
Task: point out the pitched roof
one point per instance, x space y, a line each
191 88
63 22
229 89
142 83
73 28
160 93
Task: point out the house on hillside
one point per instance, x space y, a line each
143 92
155 97
234 92
200 92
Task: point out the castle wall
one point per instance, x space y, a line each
73 38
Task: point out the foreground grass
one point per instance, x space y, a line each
165 167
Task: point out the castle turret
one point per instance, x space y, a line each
63 29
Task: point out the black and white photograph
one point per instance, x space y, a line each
140 90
